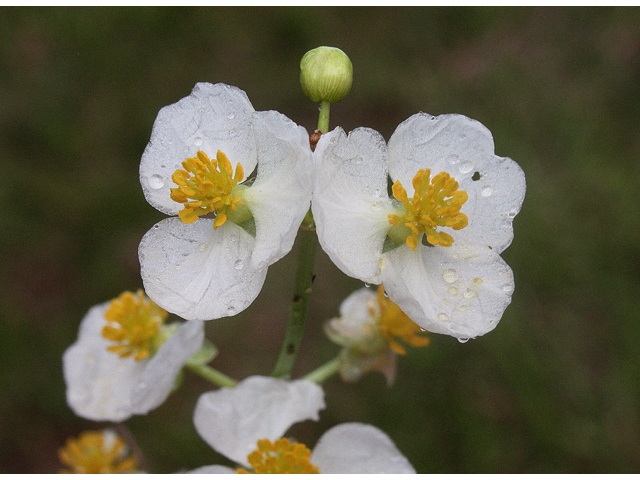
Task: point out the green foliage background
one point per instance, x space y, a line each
555 388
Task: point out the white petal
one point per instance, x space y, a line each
350 203
358 448
355 317
214 117
281 195
99 382
158 378
197 272
463 148
213 469
232 420
460 291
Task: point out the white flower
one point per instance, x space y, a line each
201 268
103 385
246 424
372 330
436 246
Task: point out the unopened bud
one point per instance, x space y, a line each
326 74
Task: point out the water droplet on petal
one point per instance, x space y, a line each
463 340
486 191
452 291
367 285
203 246
477 281
468 293
231 116
463 308
156 182
443 317
197 141
507 289
466 166
239 265
231 310
450 275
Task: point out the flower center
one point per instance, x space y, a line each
435 203
133 323
394 324
281 456
96 452
209 186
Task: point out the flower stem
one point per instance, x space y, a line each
323 118
212 375
299 305
323 372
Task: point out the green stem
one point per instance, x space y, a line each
299 305
323 118
212 375
323 372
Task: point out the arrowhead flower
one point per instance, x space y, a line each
126 360
434 240
237 183
372 329
246 424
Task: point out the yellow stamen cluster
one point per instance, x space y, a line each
96 452
206 186
435 203
281 456
133 323
394 324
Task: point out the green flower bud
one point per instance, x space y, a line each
326 74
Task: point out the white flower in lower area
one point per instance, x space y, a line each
372 329
212 155
126 360
435 245
246 424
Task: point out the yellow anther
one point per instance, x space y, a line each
435 203
394 324
207 186
133 323
96 452
281 456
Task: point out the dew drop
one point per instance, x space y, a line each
197 141
231 310
453 159
486 191
156 182
367 285
203 246
477 281
452 291
231 116
443 317
423 329
178 267
466 166
468 293
359 160
239 265
450 275
507 289
376 193
463 340
463 308
385 293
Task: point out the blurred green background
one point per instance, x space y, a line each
555 388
